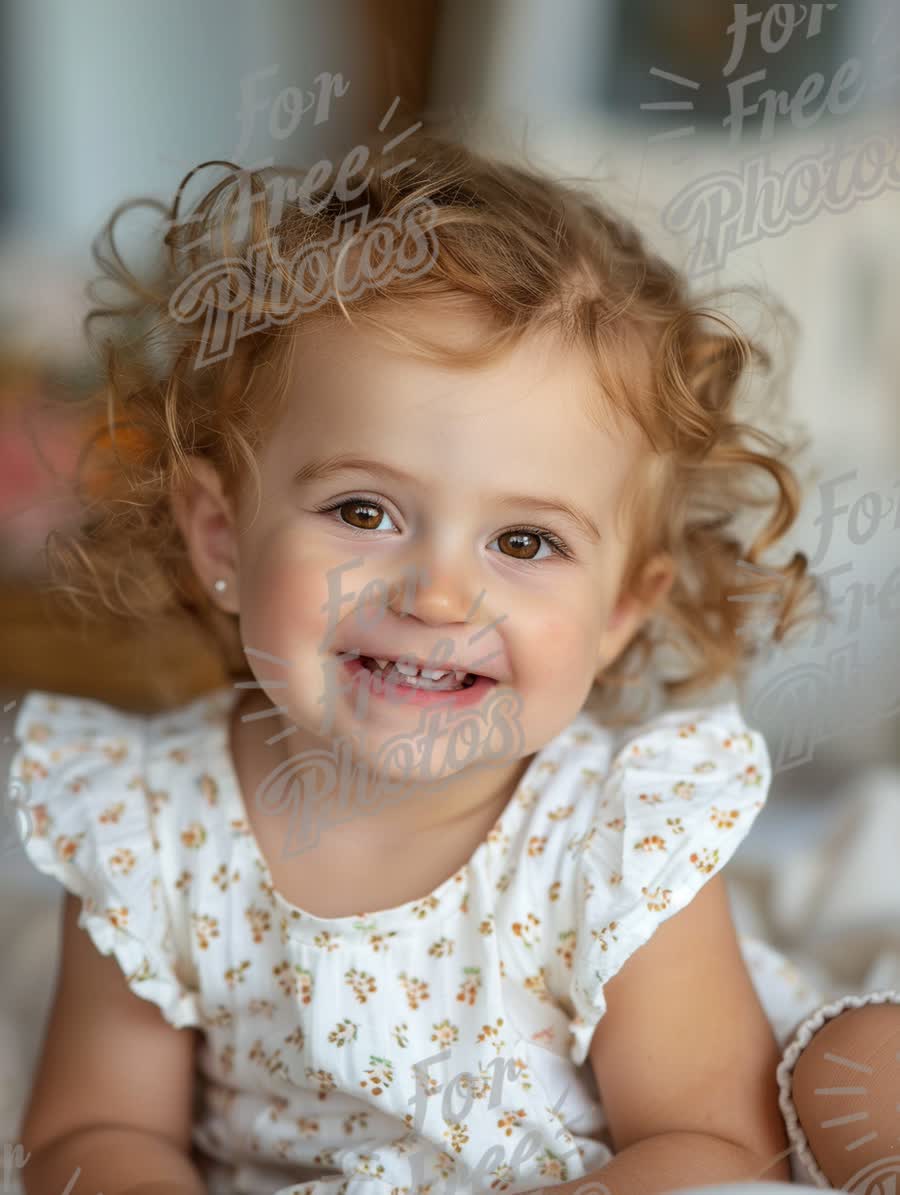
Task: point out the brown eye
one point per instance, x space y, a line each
524 545
368 514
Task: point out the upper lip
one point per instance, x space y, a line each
485 669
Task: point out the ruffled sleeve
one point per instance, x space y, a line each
678 799
78 778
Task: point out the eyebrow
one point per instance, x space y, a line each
322 468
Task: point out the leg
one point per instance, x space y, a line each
846 1089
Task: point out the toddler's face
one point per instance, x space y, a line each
449 529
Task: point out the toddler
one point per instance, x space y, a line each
413 901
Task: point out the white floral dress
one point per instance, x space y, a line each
435 1046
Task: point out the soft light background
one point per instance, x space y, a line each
109 99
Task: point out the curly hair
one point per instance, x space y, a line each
526 252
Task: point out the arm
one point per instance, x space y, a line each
685 1060
113 1090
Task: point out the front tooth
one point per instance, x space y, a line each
459 676
433 673
381 663
406 669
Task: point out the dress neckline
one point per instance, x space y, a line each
448 899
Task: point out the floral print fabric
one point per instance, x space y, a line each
435 1046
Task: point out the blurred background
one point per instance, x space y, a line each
754 145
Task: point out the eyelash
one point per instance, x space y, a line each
558 545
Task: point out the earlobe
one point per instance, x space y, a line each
205 518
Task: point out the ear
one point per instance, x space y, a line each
634 608
206 519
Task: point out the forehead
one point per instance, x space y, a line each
534 414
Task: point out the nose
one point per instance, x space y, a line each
436 594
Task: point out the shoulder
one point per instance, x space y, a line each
678 796
86 777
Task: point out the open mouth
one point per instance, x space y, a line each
431 679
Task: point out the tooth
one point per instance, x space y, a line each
460 676
433 673
406 669
381 663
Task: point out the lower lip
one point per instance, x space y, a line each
402 694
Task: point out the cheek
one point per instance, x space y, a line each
559 647
283 598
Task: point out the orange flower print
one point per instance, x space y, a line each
369 1168
724 819
527 930
615 878
261 1008
442 948
37 732
40 820
486 926
205 929
652 842
324 1079
344 1031
235 975
457 1134
379 1075
687 729
684 789
468 989
118 918
422 908
536 844
675 824
399 1033
616 823
296 1038
308 1126
520 1073
226 1058
294 980
537 985
553 891
33 770
650 798
116 752
706 766
706 860
491 1034
552 1166
123 861
566 947
599 935
184 881
67 846
445 1033
112 815
349 1122
561 814
416 989
325 941
209 789
222 879
512 1120
751 776
361 983
260 921
194 835
504 881
142 973
657 900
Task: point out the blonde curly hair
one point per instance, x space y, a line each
528 253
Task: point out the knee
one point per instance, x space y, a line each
846 1089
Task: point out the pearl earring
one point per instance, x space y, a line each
220 585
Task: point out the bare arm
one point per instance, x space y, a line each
113 1090
685 1061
